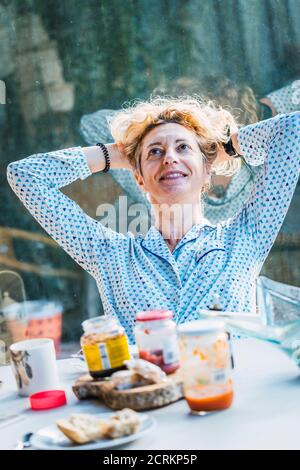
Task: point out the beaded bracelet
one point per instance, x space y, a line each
106 156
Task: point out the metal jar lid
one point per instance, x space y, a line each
198 327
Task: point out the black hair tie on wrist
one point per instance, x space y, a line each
106 157
228 146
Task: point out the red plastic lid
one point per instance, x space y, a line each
47 400
150 315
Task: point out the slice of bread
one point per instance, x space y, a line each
123 423
84 428
81 428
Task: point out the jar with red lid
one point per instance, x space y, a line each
156 339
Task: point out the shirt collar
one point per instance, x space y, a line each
154 242
195 232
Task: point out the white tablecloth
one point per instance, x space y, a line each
265 413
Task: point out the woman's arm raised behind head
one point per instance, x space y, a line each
37 180
274 144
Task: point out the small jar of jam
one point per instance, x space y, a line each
156 339
104 345
205 359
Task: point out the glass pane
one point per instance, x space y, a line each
67 66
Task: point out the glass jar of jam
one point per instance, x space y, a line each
156 339
104 345
205 360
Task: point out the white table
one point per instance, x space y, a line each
265 413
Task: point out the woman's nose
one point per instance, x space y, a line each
170 157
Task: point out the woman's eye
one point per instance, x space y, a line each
184 146
155 152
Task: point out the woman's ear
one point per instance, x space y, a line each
139 179
207 173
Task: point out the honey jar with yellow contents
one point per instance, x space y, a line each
104 345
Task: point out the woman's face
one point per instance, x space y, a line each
173 168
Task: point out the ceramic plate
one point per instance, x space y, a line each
51 438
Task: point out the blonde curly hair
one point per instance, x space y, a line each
208 121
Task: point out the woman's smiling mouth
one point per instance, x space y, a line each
172 175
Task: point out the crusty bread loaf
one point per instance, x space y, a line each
147 370
128 379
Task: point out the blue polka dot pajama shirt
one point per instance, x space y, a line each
135 273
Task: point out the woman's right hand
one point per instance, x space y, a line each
96 161
123 160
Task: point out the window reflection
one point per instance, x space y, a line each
63 73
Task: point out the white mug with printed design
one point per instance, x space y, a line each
34 365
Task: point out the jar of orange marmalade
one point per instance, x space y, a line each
104 345
205 359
